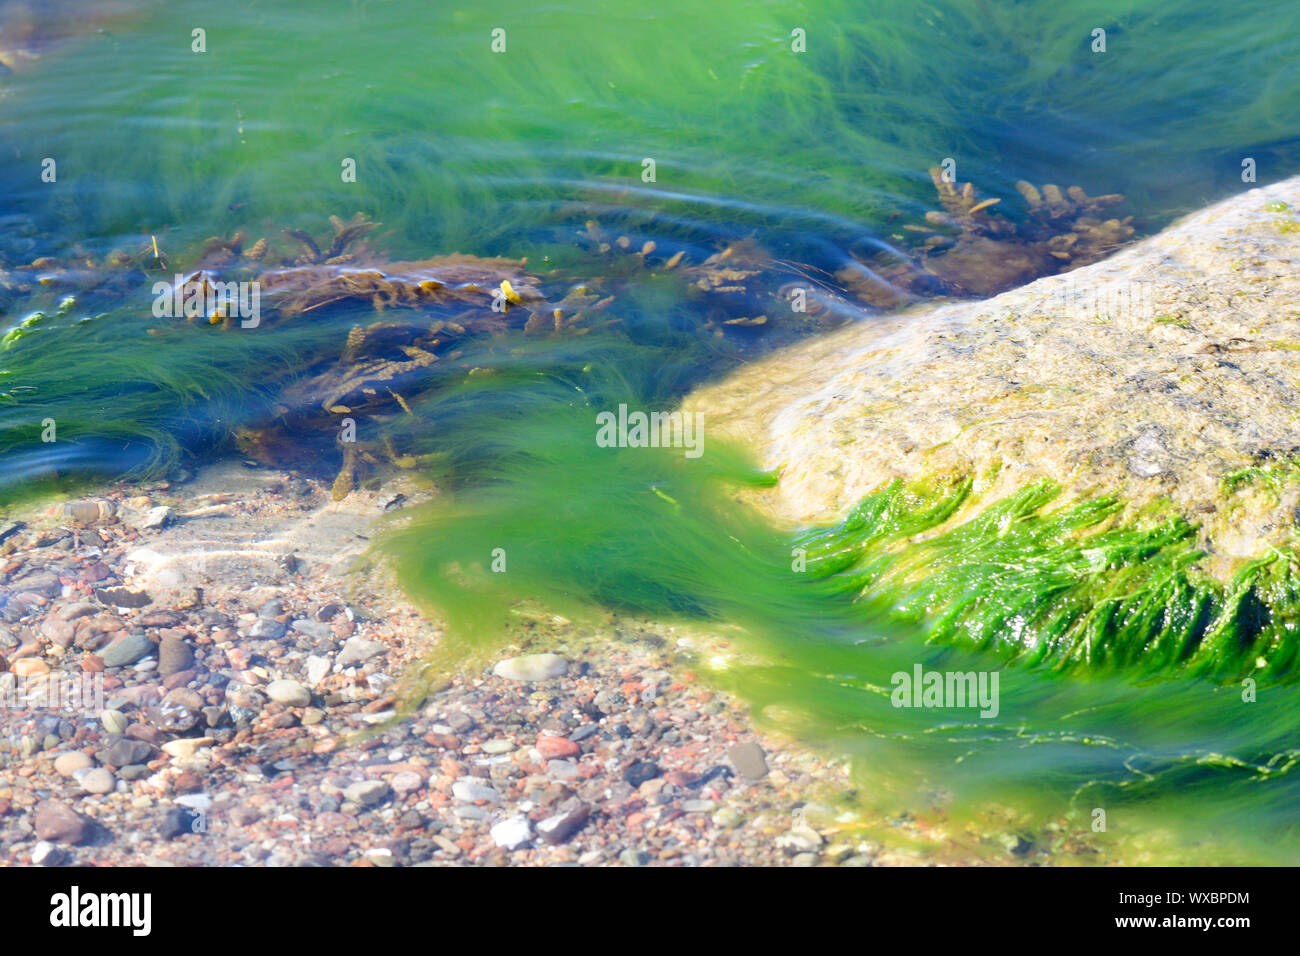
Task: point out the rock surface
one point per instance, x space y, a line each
1149 375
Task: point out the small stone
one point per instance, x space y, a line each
157 518
314 629
639 771
122 597
407 781
58 632
556 747
30 667
46 853
498 745
558 828
186 782
563 770
467 791
368 792
185 747
177 713
532 667
180 820
727 818
357 650
69 763
317 668
799 840
174 655
1016 844
114 721
58 823
126 751
98 780
631 857
512 832
128 650
749 758
195 801
267 629
289 693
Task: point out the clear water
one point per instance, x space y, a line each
819 156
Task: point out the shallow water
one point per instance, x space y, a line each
819 156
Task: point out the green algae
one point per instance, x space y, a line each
1066 587
1271 476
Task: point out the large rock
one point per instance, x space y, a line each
1154 374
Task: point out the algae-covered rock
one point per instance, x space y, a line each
1167 376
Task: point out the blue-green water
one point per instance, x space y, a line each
820 157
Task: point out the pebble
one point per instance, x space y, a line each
314 629
563 770
317 668
126 751
114 721
559 827
357 650
185 747
513 832
532 667
58 632
69 763
749 759
407 781
30 667
45 853
195 801
799 840
180 820
58 823
639 771
98 780
557 747
158 518
267 629
727 818
290 693
174 655
128 650
467 791
632 857
368 792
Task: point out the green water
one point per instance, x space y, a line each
819 156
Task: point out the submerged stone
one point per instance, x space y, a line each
532 667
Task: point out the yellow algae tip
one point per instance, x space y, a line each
509 292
